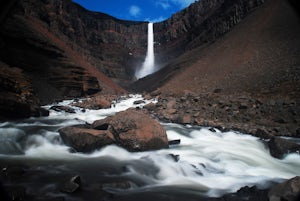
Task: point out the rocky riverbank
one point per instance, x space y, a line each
69 180
268 118
265 118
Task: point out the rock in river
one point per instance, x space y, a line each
130 129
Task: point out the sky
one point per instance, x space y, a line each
136 10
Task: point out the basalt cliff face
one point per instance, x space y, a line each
233 46
198 25
53 39
248 79
64 50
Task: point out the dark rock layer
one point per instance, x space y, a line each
17 99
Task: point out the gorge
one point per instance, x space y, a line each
225 69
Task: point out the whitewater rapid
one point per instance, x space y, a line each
209 163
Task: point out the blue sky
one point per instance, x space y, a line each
136 10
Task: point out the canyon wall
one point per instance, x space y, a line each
200 24
67 51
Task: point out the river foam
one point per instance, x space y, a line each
209 163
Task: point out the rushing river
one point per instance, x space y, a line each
210 163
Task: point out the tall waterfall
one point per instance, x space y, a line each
148 65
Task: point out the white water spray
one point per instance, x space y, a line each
209 163
148 65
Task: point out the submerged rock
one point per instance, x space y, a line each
72 185
130 129
60 108
280 147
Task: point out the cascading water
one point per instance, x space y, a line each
149 63
210 163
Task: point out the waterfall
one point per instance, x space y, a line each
148 65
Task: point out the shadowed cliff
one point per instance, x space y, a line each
260 55
65 51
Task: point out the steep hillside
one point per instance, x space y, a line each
55 44
64 50
247 80
259 56
198 25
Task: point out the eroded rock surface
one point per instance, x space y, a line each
130 129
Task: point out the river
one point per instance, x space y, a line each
207 162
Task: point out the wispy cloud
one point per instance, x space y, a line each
163 3
134 11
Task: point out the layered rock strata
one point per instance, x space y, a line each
68 51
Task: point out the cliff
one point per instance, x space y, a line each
259 55
198 25
67 51
61 32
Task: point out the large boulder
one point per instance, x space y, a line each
131 129
287 191
279 147
134 130
85 139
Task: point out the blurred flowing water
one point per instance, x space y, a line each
204 163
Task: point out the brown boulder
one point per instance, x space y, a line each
134 130
85 139
288 191
96 102
280 147
130 129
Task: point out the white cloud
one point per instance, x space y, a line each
163 3
134 11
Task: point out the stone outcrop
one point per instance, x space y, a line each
17 99
86 139
279 147
258 116
288 190
96 102
130 129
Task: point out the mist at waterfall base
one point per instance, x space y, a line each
148 66
210 163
